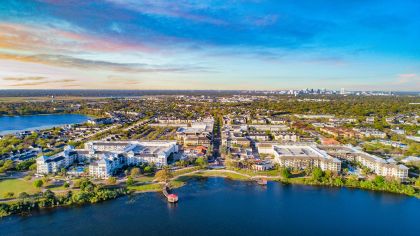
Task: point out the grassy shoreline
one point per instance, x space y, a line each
177 181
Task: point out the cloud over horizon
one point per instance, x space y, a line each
212 43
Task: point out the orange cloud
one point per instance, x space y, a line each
27 37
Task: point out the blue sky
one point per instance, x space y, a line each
210 44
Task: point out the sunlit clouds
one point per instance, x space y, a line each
209 44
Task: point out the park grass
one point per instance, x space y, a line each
138 187
259 173
185 171
16 186
216 173
56 187
154 187
144 178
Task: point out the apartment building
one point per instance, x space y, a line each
110 156
53 164
378 165
301 157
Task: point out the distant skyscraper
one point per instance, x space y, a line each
342 91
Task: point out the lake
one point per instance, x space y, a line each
217 206
12 124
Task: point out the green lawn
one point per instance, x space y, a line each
16 186
56 187
144 178
145 187
258 173
185 171
216 173
154 187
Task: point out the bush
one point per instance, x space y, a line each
202 162
9 195
148 169
130 181
135 172
285 173
38 183
317 174
111 180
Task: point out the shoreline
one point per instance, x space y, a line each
43 127
237 176
183 179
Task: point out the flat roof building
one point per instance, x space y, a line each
301 157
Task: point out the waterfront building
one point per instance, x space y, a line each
301 157
53 164
378 165
111 156
263 165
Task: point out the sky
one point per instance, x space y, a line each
210 44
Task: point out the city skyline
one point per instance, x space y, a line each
221 45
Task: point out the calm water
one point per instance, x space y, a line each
216 206
11 124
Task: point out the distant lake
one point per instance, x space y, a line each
217 206
12 124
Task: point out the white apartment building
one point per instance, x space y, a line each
286 136
381 167
53 164
106 166
302 157
378 165
111 156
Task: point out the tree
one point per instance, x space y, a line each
164 175
148 169
418 182
111 180
285 173
66 185
317 174
130 181
202 162
23 195
9 195
7 165
38 183
379 181
135 172
182 163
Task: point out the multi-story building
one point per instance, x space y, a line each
302 157
53 164
378 165
368 132
110 156
339 132
286 136
107 165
